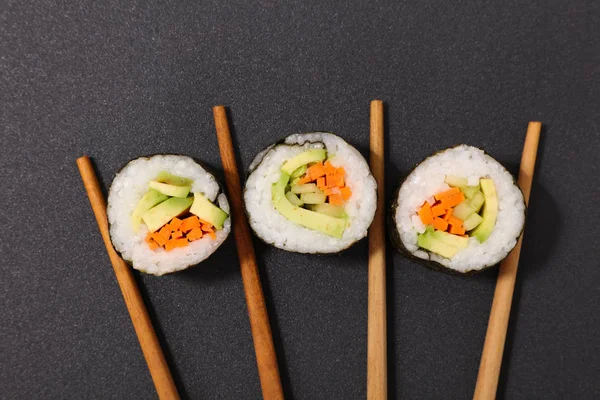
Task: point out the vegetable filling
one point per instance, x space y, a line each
312 192
175 218
452 216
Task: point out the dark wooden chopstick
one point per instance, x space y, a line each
159 370
266 358
377 336
493 348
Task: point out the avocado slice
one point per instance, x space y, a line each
204 209
329 209
489 213
166 177
452 240
170 190
159 215
429 242
323 223
455 181
301 159
298 172
148 200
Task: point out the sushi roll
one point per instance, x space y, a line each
166 213
310 193
459 210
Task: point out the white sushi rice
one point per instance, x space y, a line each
128 187
427 179
274 228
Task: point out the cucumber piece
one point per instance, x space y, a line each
477 201
292 198
329 209
306 188
313 198
455 181
472 222
299 172
463 211
469 191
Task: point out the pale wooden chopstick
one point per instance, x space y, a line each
264 348
377 336
159 370
493 349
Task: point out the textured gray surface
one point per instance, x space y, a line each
123 79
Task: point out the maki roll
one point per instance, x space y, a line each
166 213
460 210
310 193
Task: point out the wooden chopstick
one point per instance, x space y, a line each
266 358
491 357
159 370
377 336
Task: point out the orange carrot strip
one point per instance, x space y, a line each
175 223
316 171
174 243
195 234
454 200
158 238
425 214
176 235
448 214
440 224
212 235
438 210
331 170
335 181
304 179
148 238
346 193
202 221
165 232
321 182
207 227
153 245
341 171
457 230
190 223
454 221
447 193
336 199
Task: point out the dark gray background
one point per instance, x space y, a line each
122 79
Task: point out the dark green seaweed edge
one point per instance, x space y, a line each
281 142
201 164
430 264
